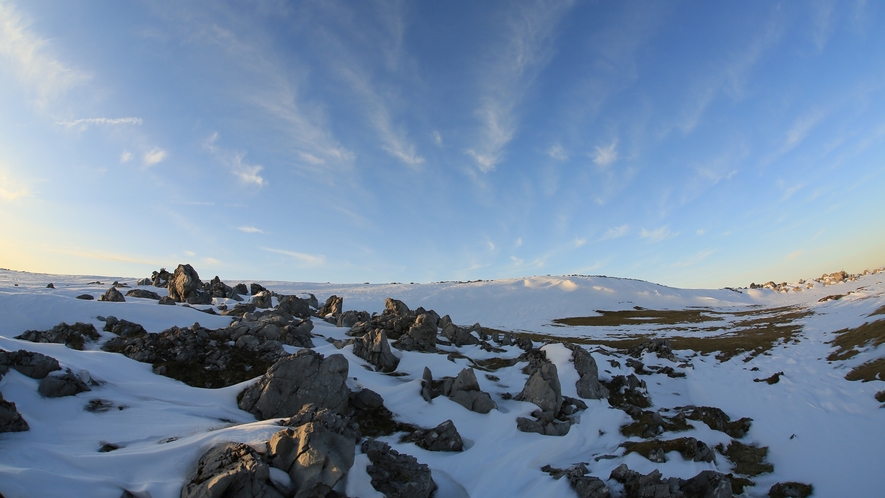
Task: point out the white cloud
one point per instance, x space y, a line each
604 156
310 158
616 232
126 156
250 229
437 138
84 123
579 242
28 56
190 253
657 234
526 49
789 191
491 245
700 231
800 129
246 173
303 257
558 152
154 156
518 242
211 261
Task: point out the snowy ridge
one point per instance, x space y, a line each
819 428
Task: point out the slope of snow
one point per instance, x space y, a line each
819 427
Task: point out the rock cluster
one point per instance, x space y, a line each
463 389
73 336
397 475
444 437
185 286
825 279
708 484
10 419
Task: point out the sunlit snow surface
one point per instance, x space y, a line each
820 428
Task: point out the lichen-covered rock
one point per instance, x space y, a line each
314 457
185 286
374 348
231 470
73 336
296 380
397 475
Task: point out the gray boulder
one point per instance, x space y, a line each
458 336
295 306
123 328
10 419
374 348
421 335
263 299
29 363
185 286
543 388
314 457
230 470
350 318
397 475
444 437
167 300
333 307
86 297
112 295
588 385
66 384
465 391
143 294
296 380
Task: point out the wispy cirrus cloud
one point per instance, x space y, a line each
558 152
250 229
30 58
658 234
153 156
605 156
615 232
84 123
126 156
308 259
249 174
801 127
525 50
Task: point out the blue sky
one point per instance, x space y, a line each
694 144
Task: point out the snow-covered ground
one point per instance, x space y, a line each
820 428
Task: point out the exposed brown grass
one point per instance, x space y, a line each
871 370
880 311
849 342
639 316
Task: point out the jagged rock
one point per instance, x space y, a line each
86 297
123 328
366 399
397 475
295 306
185 286
790 490
293 381
427 385
144 294
443 437
543 388
73 336
396 307
350 318
10 419
334 422
421 335
271 325
656 450
585 486
374 348
588 385
707 484
459 336
28 363
241 289
314 457
256 288
230 470
263 300
718 420
167 300
217 288
628 390
465 391
333 307
66 384
112 295
143 281
160 278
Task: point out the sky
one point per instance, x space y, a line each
693 144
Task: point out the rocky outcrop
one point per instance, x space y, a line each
143 294
588 385
254 330
28 363
263 299
717 420
585 486
463 389
123 328
112 295
661 347
656 450
294 381
185 286
791 490
458 336
231 470
10 419
332 308
256 288
374 348
314 458
294 306
350 318
444 437
421 335
160 278
73 336
707 484
66 384
397 475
